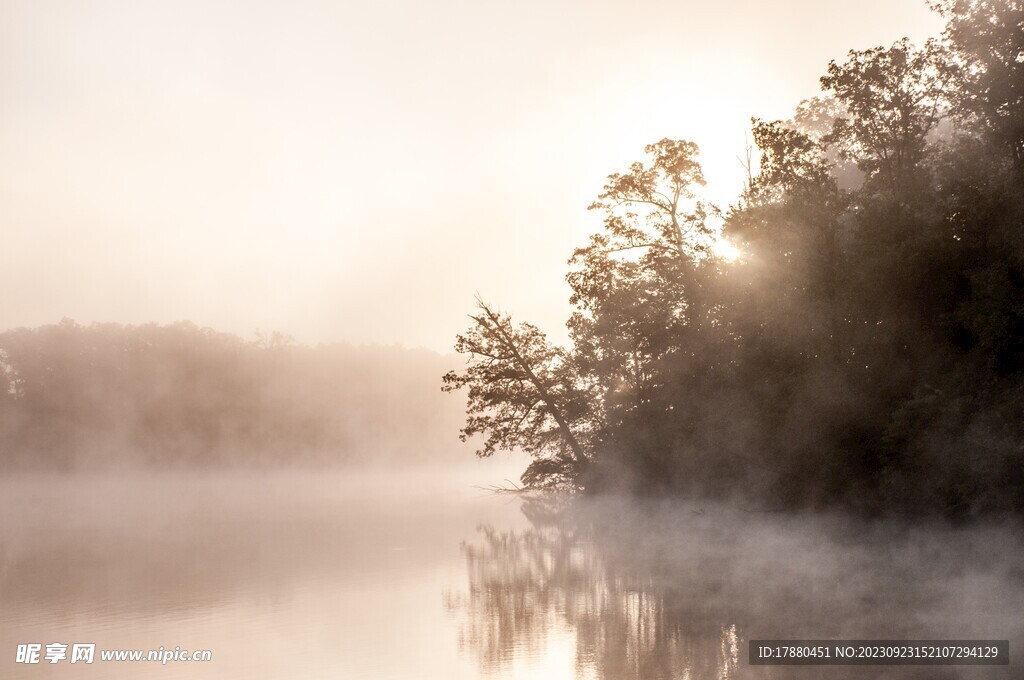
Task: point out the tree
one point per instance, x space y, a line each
646 327
985 39
638 278
523 393
655 199
792 221
893 97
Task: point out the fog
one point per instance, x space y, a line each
352 171
312 356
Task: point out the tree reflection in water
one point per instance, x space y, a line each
525 586
663 591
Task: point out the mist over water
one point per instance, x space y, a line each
281 575
671 590
373 574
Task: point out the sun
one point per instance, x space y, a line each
725 250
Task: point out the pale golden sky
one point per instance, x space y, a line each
358 170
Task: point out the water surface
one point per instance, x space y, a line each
373 575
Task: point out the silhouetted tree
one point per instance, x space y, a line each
892 98
523 394
986 43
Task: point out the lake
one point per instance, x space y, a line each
422 575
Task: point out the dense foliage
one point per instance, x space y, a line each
865 350
82 397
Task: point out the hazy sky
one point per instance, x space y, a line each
358 170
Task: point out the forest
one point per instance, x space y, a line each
76 397
849 334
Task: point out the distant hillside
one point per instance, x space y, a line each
75 396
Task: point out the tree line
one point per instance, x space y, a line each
861 347
84 397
